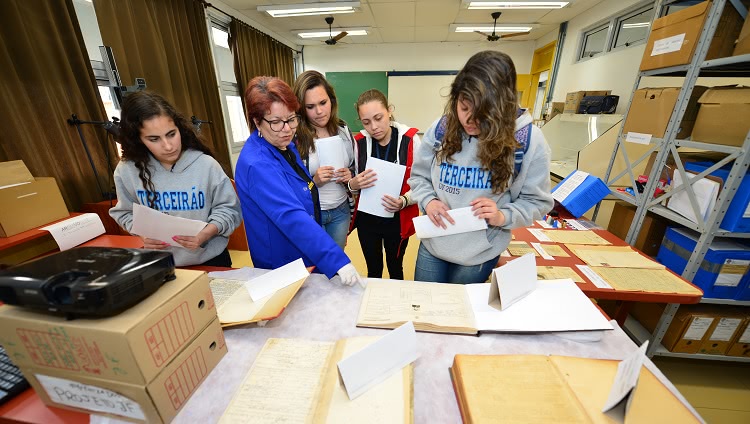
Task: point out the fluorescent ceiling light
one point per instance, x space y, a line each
308 9
516 4
636 25
320 33
485 28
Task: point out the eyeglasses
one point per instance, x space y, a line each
277 124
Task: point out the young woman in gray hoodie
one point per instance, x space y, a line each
166 167
484 153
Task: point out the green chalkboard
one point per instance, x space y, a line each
349 85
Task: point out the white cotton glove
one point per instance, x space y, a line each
349 275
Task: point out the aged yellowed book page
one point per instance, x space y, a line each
391 401
613 256
514 389
520 248
574 237
591 380
233 301
648 280
435 307
283 384
555 250
556 273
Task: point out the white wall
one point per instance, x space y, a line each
410 56
614 71
546 39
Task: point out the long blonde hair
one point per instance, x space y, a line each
488 83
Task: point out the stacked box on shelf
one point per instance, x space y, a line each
741 344
579 192
737 217
723 270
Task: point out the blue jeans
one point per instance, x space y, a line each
336 222
430 268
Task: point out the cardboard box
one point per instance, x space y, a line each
743 42
556 109
652 230
28 202
573 100
651 109
737 216
721 334
674 37
688 329
723 116
131 347
155 402
741 344
724 266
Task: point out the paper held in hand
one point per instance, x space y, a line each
464 219
390 178
156 225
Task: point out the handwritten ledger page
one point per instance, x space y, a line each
557 273
431 306
613 256
574 237
648 280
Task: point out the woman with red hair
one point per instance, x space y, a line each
278 196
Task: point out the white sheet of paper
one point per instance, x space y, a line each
706 192
277 279
331 152
85 396
572 182
540 249
514 281
555 305
245 273
539 234
639 138
74 231
153 224
595 278
390 178
668 44
628 371
465 222
379 360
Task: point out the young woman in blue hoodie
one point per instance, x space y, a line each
484 153
166 167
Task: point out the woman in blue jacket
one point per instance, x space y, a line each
278 196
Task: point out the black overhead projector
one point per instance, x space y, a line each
87 281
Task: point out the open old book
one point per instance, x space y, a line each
295 380
562 389
249 295
555 305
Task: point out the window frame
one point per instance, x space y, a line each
618 27
612 25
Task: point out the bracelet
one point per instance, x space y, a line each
404 201
348 185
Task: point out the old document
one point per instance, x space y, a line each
555 250
648 280
557 273
520 248
432 307
283 384
613 256
573 237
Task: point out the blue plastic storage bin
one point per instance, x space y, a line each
585 196
737 218
724 268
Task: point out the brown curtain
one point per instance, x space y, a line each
256 53
45 77
166 42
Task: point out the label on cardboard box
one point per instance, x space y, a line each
745 337
698 328
571 183
639 138
85 396
725 329
732 272
668 45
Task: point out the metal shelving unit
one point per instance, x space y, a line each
738 157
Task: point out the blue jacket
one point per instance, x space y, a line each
279 212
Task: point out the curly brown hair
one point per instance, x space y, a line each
305 132
488 83
142 106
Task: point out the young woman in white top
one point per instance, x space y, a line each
320 124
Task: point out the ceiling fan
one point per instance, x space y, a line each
331 39
494 36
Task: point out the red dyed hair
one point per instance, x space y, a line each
261 92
